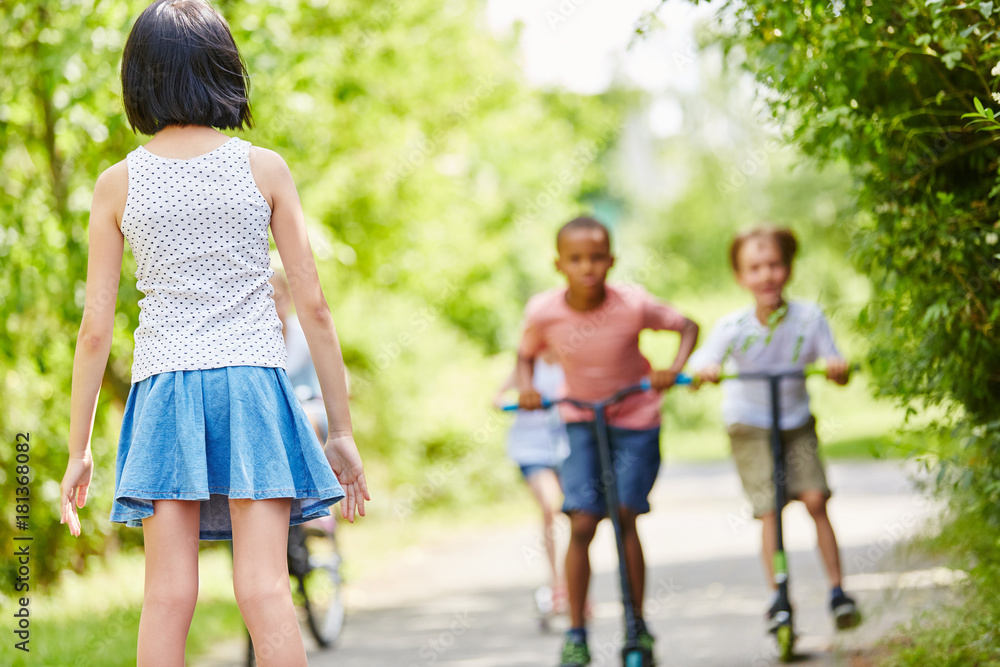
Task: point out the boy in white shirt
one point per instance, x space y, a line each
774 336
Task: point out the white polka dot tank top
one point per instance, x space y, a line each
198 230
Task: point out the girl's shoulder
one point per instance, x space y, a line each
266 158
267 165
115 175
111 188
270 172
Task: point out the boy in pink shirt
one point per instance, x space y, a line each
593 328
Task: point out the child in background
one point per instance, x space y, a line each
537 442
213 442
774 335
593 328
299 366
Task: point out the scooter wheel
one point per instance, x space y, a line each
786 643
634 658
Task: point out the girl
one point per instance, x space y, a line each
538 444
775 335
213 443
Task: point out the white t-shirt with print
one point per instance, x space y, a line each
741 343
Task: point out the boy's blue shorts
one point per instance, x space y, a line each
635 457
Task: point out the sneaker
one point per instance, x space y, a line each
574 654
771 617
845 612
646 642
544 600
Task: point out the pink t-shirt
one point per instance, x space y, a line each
599 349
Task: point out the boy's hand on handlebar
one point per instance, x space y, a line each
837 370
711 373
529 400
662 380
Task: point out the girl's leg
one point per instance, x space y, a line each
260 580
171 582
544 484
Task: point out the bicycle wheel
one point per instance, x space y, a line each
322 589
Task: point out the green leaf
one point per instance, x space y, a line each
951 59
968 31
979 105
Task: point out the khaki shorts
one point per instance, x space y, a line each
752 453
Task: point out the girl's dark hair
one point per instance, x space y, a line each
181 67
782 236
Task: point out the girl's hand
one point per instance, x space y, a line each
837 370
74 486
529 400
711 373
662 380
345 461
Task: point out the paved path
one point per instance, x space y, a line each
468 601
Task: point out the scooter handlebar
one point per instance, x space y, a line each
644 385
810 370
513 407
684 379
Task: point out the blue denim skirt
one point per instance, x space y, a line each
210 435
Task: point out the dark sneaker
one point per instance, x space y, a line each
646 642
772 618
574 654
845 612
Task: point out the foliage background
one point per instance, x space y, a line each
883 87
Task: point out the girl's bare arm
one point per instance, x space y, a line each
528 397
289 229
509 383
93 344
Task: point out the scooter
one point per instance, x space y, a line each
633 655
783 629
